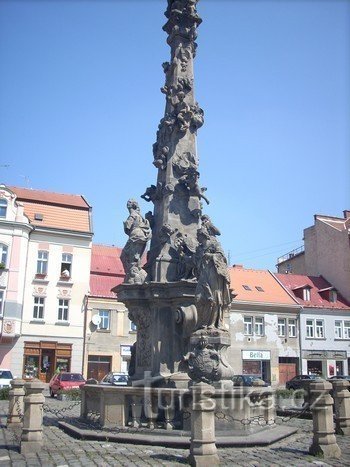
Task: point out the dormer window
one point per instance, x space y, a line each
306 294
3 208
333 296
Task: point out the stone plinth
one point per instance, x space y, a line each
16 403
32 432
324 443
203 450
341 397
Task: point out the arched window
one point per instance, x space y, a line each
3 207
3 255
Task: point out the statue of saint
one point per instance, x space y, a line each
213 288
139 231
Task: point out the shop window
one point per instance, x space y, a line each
38 309
31 366
281 327
63 308
42 261
66 265
3 255
1 302
319 329
104 319
309 328
259 326
292 328
248 325
3 208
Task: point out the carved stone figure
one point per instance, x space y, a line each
153 193
186 248
190 181
203 362
209 226
213 288
182 163
139 232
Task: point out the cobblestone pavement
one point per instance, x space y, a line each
61 450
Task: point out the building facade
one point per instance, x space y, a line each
264 323
15 230
324 325
326 252
57 265
109 334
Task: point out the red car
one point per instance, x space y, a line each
64 381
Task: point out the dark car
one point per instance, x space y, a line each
64 381
301 381
248 380
116 379
332 378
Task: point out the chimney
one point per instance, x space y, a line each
346 214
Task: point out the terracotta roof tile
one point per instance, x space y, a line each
100 285
316 285
272 291
41 196
106 270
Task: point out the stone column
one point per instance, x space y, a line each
341 397
324 443
203 450
32 432
16 405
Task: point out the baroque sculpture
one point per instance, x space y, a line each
179 295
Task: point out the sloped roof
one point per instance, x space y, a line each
272 291
55 210
106 270
316 284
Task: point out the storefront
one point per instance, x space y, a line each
257 362
325 363
99 366
42 359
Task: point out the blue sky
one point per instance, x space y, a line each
80 105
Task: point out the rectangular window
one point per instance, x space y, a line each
306 294
105 319
338 329
41 265
3 254
3 207
66 265
133 327
248 325
259 326
63 307
1 302
292 328
333 296
319 328
38 310
281 327
309 328
346 329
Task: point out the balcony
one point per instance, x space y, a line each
291 254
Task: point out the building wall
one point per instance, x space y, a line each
270 344
111 342
324 347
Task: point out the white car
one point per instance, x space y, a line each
5 378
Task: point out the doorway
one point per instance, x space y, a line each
47 365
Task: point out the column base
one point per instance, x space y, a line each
325 450
203 461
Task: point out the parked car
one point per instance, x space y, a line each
5 378
116 379
64 381
248 380
301 381
332 378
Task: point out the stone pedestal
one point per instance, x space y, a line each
16 404
341 397
165 318
32 432
324 443
203 452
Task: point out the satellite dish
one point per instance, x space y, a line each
96 319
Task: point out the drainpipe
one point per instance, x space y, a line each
300 343
84 332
